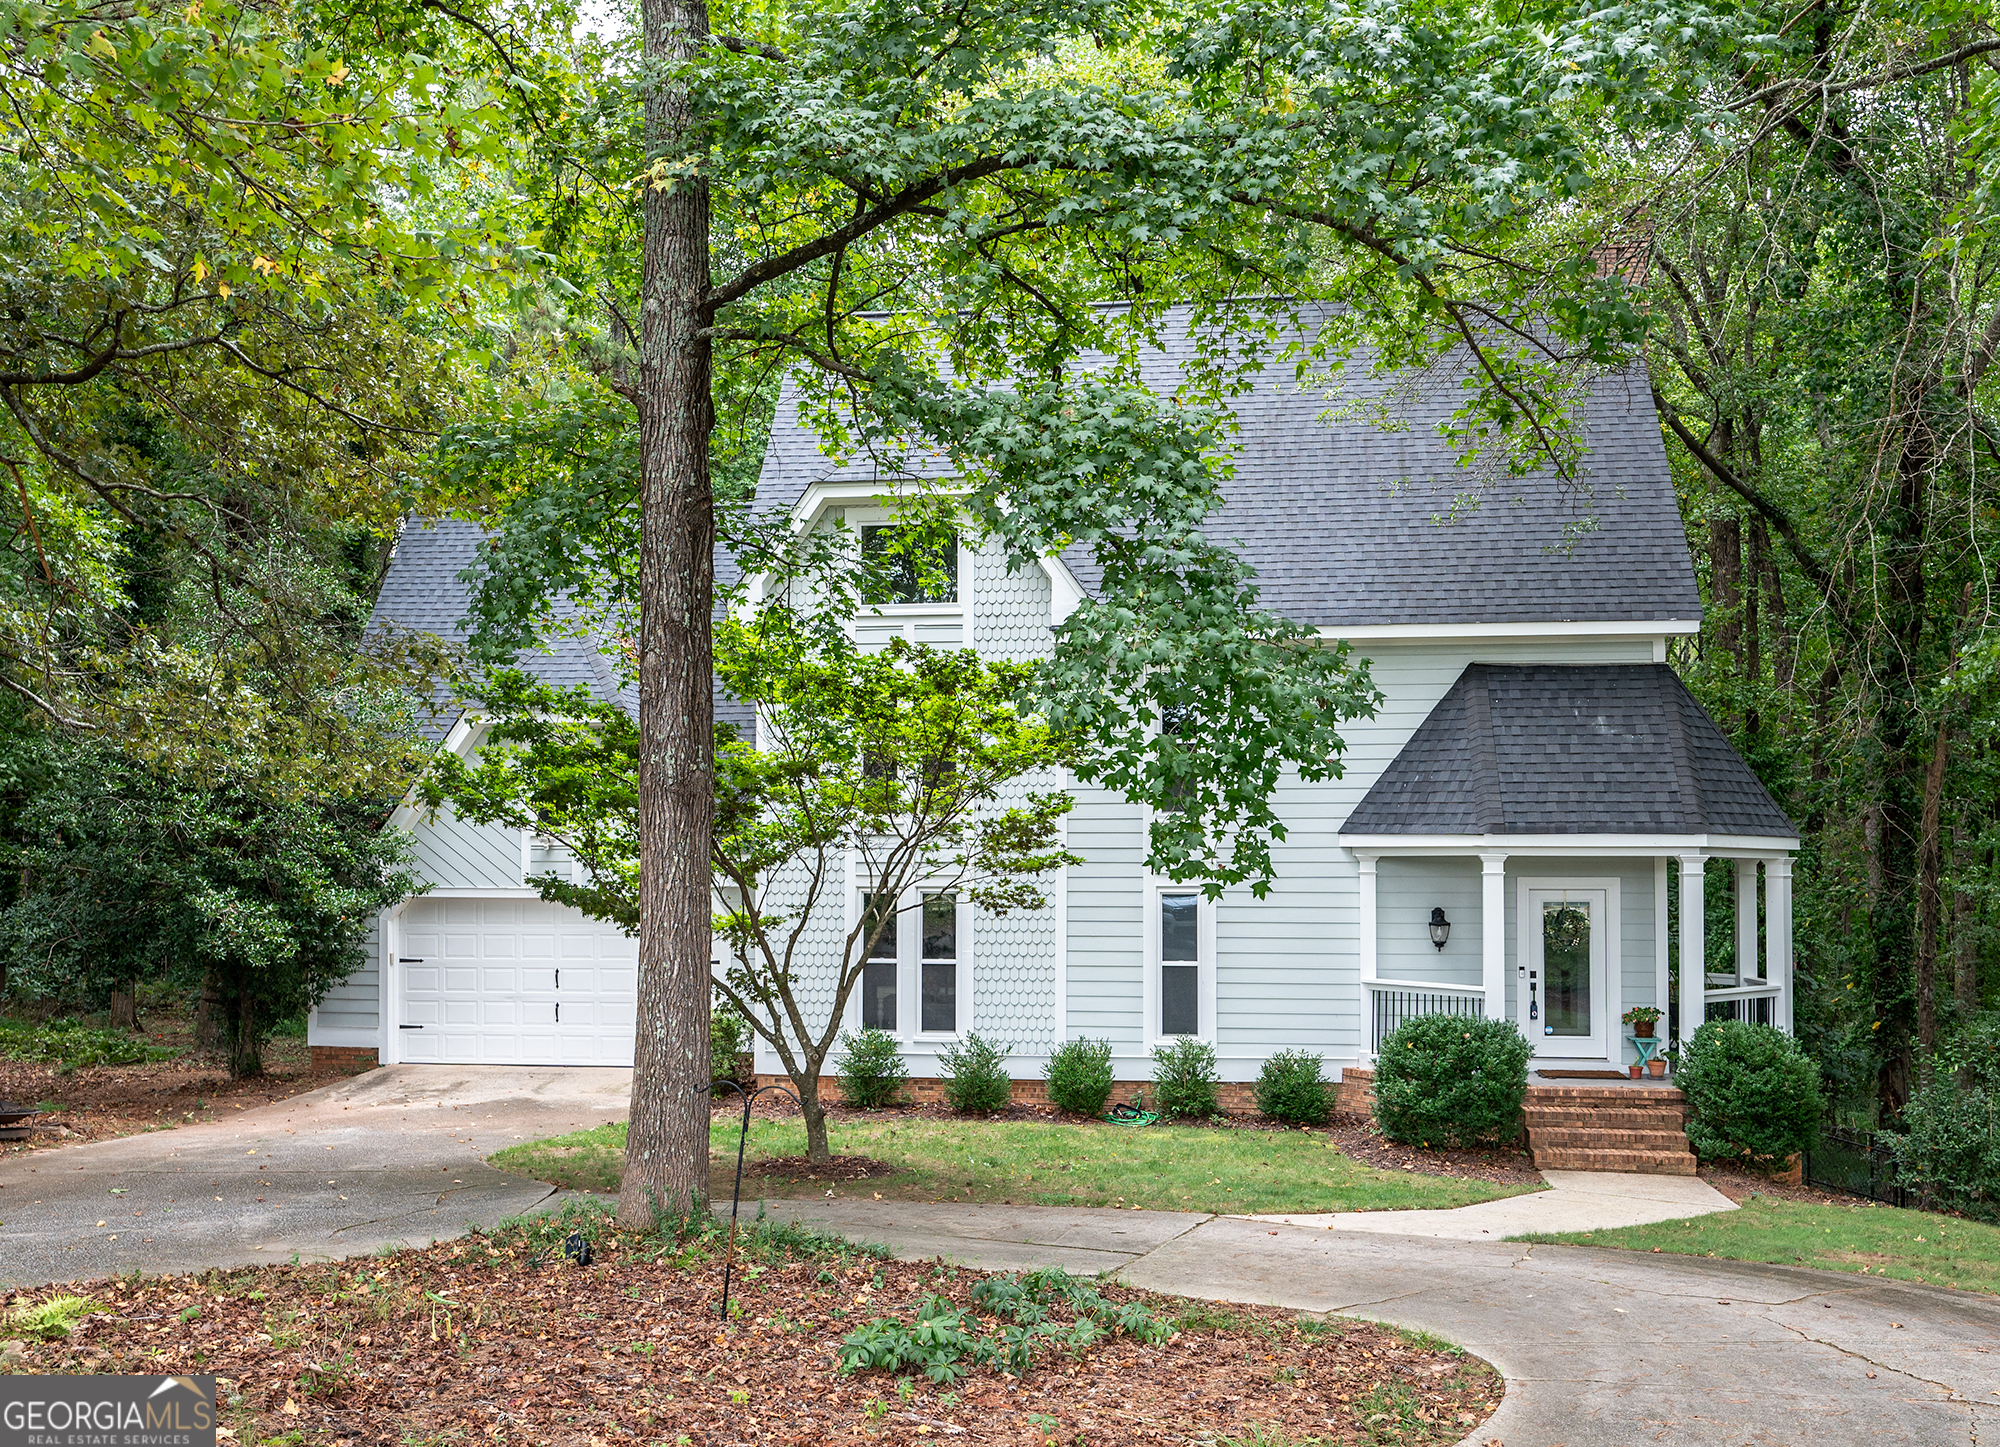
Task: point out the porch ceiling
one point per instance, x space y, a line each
1603 754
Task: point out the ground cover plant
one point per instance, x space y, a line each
1040 1163
1861 1237
500 1338
70 1043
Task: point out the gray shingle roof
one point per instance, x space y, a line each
423 594
1343 518
1619 748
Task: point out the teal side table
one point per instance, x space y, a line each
1647 1046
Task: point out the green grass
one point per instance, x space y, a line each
1863 1238
1159 1168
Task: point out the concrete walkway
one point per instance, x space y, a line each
1599 1348
1575 1201
387 1158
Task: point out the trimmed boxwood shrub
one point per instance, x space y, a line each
1293 1088
1184 1079
1752 1093
872 1071
1448 1080
1080 1076
975 1076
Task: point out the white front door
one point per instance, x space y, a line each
514 982
1565 948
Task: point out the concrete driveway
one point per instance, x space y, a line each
390 1157
1599 1348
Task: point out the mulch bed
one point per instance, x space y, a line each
441 1345
97 1102
1740 1186
803 1168
1502 1165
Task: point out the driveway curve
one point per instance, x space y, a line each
391 1157
1599 1348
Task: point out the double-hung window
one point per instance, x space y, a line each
914 958
878 973
1180 990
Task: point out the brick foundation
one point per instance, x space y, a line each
1232 1097
1357 1092
343 1059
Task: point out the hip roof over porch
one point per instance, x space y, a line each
1605 760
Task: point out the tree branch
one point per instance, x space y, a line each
1809 564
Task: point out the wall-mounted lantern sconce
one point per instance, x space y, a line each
1440 927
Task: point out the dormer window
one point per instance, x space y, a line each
915 571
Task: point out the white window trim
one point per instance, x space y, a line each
909 615
1205 948
910 966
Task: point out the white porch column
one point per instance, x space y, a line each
1746 922
1366 940
1694 950
1493 933
1778 933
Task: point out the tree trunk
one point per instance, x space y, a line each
208 1015
1753 630
1783 661
125 1005
1930 899
246 1054
666 1146
817 1150
1964 927
1725 585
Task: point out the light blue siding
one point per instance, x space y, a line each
452 853
1406 891
351 1013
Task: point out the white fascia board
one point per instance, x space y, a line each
1065 593
1448 632
466 732
1738 846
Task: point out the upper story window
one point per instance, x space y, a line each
916 573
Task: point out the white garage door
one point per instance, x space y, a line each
514 982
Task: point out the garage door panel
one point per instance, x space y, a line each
528 983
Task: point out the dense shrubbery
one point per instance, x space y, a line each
1293 1088
1453 1081
1080 1076
1949 1147
1184 1079
975 1076
1752 1094
872 1071
728 1037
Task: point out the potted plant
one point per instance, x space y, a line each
1642 1019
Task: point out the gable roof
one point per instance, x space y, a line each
1618 748
1349 524
422 593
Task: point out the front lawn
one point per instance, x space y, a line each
1863 1238
499 1339
1034 1163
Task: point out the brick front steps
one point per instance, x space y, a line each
1609 1128
1639 1127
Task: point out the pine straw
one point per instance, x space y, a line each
488 1339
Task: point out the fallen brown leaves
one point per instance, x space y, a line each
1503 1165
486 1340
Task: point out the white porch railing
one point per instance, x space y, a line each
1760 1004
1392 1002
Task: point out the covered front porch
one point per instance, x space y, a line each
1564 935
1541 851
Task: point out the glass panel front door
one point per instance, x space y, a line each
1566 968
1568 1003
